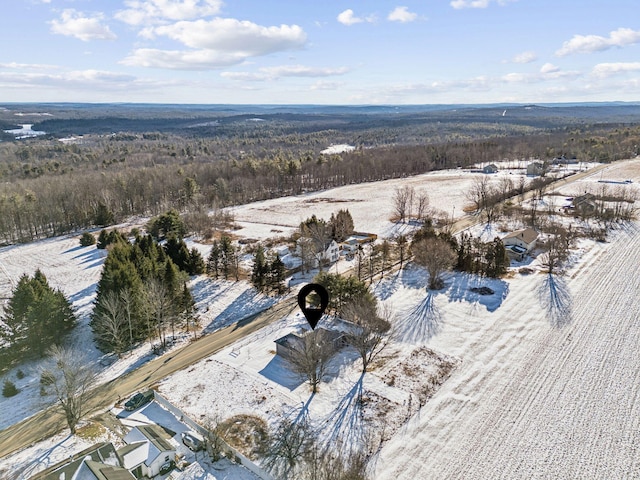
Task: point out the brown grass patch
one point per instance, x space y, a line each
246 433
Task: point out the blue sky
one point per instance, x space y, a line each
320 52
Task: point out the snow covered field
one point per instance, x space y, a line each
546 380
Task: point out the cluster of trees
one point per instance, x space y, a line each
440 251
141 291
483 258
35 317
268 274
315 233
407 203
223 260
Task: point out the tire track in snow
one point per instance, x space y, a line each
569 405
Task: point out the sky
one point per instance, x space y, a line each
332 52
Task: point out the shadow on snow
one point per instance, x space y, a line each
556 299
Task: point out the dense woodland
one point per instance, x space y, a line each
125 161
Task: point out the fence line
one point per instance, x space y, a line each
230 452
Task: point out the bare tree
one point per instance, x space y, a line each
402 198
369 331
70 375
317 236
111 325
290 446
311 356
558 246
160 307
436 255
422 204
484 198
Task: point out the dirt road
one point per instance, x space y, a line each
48 422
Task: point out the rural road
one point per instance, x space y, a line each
48 422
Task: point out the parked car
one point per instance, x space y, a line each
167 467
138 400
194 443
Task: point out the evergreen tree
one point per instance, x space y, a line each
104 216
260 269
102 240
87 239
36 316
196 264
276 275
341 225
227 256
177 250
213 260
166 225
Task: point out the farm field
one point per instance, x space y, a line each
545 383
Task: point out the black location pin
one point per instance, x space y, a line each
312 311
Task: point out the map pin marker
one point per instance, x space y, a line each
313 312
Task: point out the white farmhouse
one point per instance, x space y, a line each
148 448
520 242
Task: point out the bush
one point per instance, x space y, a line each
9 389
87 239
19 374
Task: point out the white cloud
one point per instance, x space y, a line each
272 73
182 59
608 69
348 18
596 43
460 4
145 12
220 42
323 85
75 24
303 71
402 14
235 37
525 57
549 68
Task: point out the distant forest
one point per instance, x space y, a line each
99 162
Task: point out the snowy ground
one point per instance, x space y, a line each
545 383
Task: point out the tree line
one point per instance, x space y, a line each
95 183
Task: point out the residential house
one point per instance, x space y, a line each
148 448
491 168
520 242
350 246
98 462
585 205
287 346
536 168
329 252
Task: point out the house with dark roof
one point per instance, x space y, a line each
536 168
585 205
148 448
98 462
291 343
491 168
